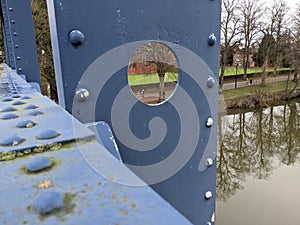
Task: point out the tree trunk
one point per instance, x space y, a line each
223 66
53 92
263 74
161 87
245 63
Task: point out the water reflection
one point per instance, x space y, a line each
254 144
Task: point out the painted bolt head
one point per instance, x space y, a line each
208 195
211 39
209 122
76 37
82 95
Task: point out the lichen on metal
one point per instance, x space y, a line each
72 193
41 125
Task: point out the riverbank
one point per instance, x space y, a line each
252 97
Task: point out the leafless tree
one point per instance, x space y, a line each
273 30
160 55
250 22
278 13
230 33
296 44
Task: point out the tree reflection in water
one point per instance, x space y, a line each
255 144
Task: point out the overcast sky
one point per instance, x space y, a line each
292 3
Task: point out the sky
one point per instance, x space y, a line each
292 3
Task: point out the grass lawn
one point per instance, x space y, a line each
251 90
230 71
140 79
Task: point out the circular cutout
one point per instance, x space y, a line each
153 73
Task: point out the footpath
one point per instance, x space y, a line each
231 85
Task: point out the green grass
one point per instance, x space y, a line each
230 71
140 79
250 90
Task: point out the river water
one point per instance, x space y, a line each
258 170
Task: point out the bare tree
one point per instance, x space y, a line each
250 22
266 53
296 44
273 30
162 57
230 33
278 13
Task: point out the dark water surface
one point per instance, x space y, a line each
258 171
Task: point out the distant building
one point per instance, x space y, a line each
142 67
149 56
238 57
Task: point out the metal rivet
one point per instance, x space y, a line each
19 102
210 82
20 69
8 109
38 163
208 195
7 99
11 141
209 122
13 21
47 202
35 113
9 116
26 124
82 95
211 39
16 46
11 9
209 162
18 58
47 134
31 107
76 37
213 218
15 33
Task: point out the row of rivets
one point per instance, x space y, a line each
12 109
16 140
76 37
210 84
16 34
